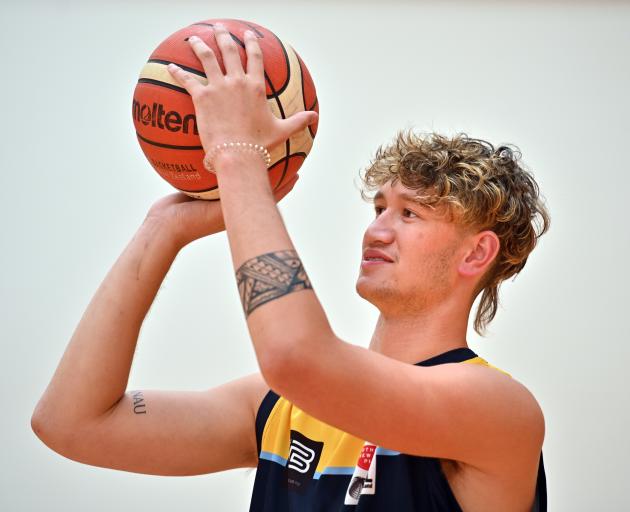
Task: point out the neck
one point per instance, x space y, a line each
414 338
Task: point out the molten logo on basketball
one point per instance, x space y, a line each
156 116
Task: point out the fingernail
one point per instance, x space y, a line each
193 38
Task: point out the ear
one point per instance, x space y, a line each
482 252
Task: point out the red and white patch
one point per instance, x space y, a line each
363 479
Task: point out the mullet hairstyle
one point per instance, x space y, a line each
481 188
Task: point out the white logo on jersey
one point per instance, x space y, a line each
300 456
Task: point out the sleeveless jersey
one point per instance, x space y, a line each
305 465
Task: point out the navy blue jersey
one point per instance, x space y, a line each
305 465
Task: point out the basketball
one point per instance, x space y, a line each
164 115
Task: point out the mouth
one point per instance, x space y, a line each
375 257
371 263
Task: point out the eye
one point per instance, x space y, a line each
408 213
378 210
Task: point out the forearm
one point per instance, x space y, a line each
233 107
290 324
93 372
254 223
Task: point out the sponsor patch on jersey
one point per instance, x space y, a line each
363 479
304 454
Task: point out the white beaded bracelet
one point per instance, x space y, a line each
208 161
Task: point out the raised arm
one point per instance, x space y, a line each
85 414
93 372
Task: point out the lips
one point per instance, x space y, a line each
376 255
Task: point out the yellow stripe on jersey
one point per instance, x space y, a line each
480 360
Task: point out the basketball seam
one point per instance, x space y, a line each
185 68
159 83
167 146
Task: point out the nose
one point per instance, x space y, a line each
380 231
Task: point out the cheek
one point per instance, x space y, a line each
445 263
427 254
412 246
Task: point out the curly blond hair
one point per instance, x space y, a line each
480 186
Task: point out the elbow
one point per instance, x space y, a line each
36 426
278 364
40 428
64 441
290 364
38 422
54 434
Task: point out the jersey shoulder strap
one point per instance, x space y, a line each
262 415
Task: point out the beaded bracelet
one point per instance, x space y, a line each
208 161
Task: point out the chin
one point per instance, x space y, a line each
376 293
391 299
363 286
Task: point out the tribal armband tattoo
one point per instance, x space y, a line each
268 277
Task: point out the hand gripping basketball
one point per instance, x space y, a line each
233 107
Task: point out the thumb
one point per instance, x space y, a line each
297 122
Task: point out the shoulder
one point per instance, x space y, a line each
507 469
508 410
502 386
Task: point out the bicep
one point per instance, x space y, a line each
175 432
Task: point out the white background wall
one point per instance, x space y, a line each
551 77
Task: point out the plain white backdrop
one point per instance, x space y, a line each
552 78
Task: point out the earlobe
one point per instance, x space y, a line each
484 249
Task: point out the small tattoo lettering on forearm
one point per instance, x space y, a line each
269 277
139 405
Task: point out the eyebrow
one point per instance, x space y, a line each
412 198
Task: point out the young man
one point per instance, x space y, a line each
417 422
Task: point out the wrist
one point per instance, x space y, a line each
241 171
164 231
235 147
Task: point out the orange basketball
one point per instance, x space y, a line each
164 115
